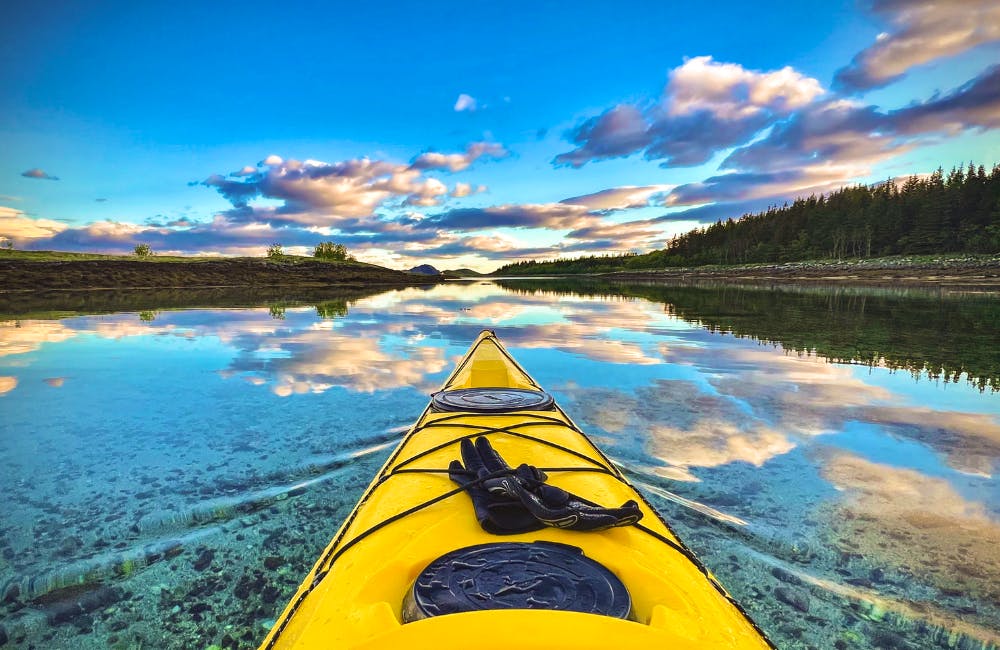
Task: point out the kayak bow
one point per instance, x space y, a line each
411 567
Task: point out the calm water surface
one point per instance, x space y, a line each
169 475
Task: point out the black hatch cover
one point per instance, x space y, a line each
492 400
516 575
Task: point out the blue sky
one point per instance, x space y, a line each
469 134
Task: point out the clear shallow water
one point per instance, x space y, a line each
170 476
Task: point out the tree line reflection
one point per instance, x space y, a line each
926 332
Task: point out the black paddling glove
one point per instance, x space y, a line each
498 511
509 501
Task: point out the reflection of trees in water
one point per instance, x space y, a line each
944 336
330 303
331 309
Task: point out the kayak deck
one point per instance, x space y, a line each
412 514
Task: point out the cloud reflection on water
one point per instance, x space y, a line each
804 396
763 403
683 426
913 521
21 337
321 359
7 384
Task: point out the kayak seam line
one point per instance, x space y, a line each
597 450
400 515
510 358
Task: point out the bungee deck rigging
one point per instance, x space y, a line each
413 514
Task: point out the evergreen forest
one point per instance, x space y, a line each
957 212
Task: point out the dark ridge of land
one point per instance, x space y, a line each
980 273
25 272
463 273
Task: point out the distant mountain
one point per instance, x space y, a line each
464 273
425 269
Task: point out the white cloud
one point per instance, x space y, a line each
731 92
465 103
707 106
921 32
466 189
456 162
526 215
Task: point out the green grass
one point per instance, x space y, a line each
67 256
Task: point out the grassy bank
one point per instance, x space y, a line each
56 270
982 271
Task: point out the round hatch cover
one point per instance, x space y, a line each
516 575
492 400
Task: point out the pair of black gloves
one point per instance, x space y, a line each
509 501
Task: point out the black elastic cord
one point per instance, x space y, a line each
484 431
398 450
323 568
539 417
445 470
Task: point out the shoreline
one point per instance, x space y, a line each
971 273
32 276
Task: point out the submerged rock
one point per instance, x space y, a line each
74 603
794 597
204 559
12 593
269 594
786 576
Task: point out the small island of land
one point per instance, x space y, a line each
32 271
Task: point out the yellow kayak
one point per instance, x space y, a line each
554 549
